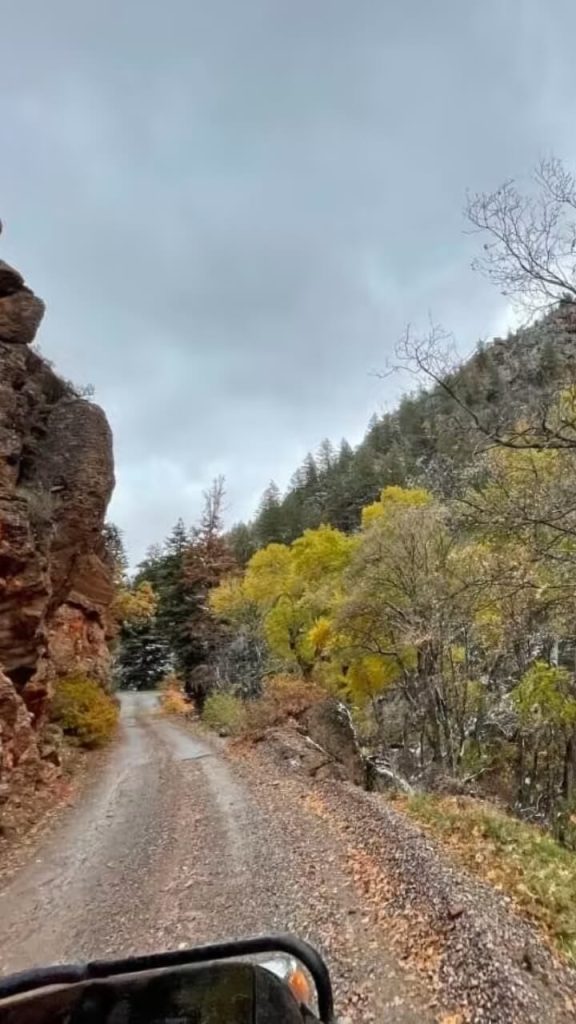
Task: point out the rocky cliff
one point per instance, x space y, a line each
56 478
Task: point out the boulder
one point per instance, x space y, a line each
320 744
11 280
289 748
20 317
329 725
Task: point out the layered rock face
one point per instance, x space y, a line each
56 478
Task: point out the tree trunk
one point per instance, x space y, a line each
569 767
520 770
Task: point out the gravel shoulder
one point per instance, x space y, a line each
24 826
481 959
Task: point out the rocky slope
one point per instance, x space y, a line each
56 478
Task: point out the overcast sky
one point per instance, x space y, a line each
232 207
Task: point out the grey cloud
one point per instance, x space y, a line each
233 208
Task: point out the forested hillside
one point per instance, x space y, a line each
430 439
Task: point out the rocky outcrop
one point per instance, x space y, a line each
56 478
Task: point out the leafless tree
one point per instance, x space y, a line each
529 250
432 358
212 514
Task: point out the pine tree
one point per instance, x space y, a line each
176 600
310 473
114 552
178 540
207 560
345 455
269 525
163 568
242 542
326 456
143 659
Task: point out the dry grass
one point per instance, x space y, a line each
519 859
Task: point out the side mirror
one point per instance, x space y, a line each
202 985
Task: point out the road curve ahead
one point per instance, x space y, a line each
173 845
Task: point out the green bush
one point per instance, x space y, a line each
84 711
225 711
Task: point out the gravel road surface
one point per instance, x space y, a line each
173 846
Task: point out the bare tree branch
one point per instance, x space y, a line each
431 358
529 250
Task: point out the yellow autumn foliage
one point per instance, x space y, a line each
132 604
84 711
392 499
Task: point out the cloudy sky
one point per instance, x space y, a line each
232 207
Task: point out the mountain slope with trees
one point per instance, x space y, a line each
427 577
459 408
429 439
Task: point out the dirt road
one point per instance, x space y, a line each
170 847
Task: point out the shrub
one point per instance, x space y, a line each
260 714
291 695
284 697
172 698
84 711
171 682
224 711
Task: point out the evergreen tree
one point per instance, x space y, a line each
176 600
345 455
294 515
164 568
143 659
310 473
326 456
298 479
242 542
269 525
177 541
182 573
114 552
207 560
